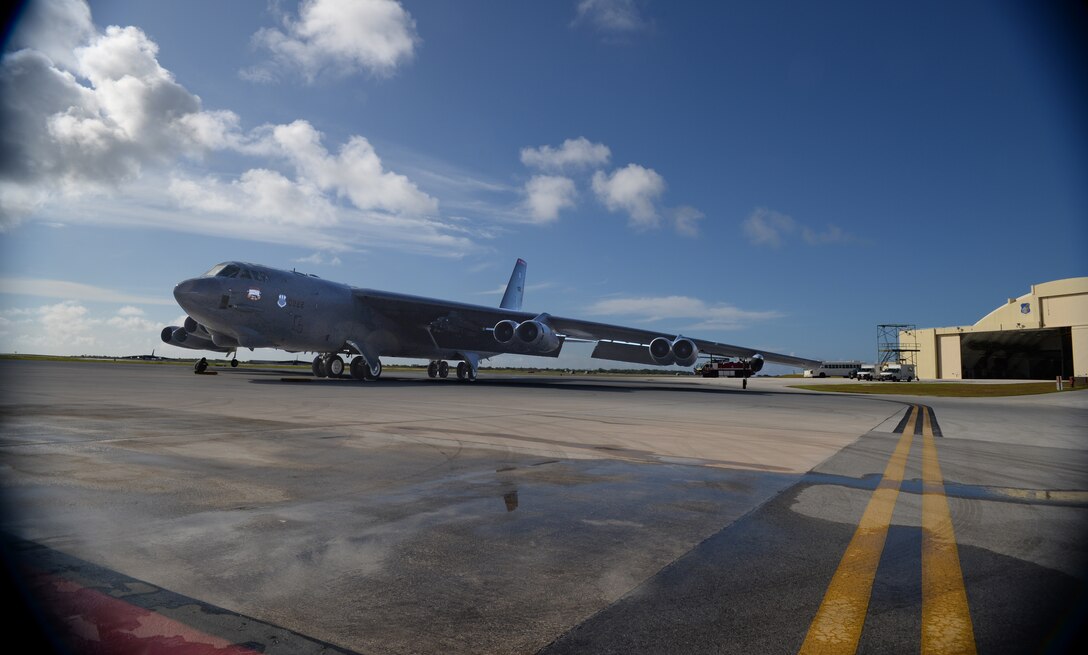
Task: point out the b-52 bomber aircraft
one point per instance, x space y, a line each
238 305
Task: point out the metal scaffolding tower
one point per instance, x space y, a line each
896 343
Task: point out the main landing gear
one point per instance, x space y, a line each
465 372
360 371
441 369
332 366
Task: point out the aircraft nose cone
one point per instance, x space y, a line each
196 292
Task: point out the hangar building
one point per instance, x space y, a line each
1038 336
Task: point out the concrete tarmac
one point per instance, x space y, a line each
261 510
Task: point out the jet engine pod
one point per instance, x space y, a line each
196 329
681 351
756 363
661 351
177 336
168 333
504 331
537 336
684 351
223 340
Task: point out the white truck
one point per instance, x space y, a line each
898 372
867 372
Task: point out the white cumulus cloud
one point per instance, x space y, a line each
766 227
611 16
340 37
632 189
65 289
70 328
88 139
708 315
574 153
318 259
547 195
356 172
687 220
54 28
64 138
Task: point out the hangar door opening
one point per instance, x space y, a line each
1017 355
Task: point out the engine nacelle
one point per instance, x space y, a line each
505 331
537 336
192 327
168 333
661 351
682 351
222 340
756 363
685 351
178 336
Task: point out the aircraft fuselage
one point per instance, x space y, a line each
287 310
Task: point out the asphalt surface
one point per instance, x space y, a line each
145 507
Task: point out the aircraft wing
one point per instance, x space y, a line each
614 342
604 333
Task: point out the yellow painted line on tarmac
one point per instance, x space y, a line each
838 623
946 619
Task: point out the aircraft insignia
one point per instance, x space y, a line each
282 302
254 294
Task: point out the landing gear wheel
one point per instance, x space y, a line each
464 372
319 367
334 366
432 370
372 375
201 366
443 369
234 363
357 368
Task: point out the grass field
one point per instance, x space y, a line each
944 389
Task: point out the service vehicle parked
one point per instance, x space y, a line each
867 372
898 373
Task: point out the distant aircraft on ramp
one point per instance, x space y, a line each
238 305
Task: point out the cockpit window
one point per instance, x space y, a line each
227 269
230 270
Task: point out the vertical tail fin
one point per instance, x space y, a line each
515 288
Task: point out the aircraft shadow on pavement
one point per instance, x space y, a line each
618 386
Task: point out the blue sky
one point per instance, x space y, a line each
781 175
